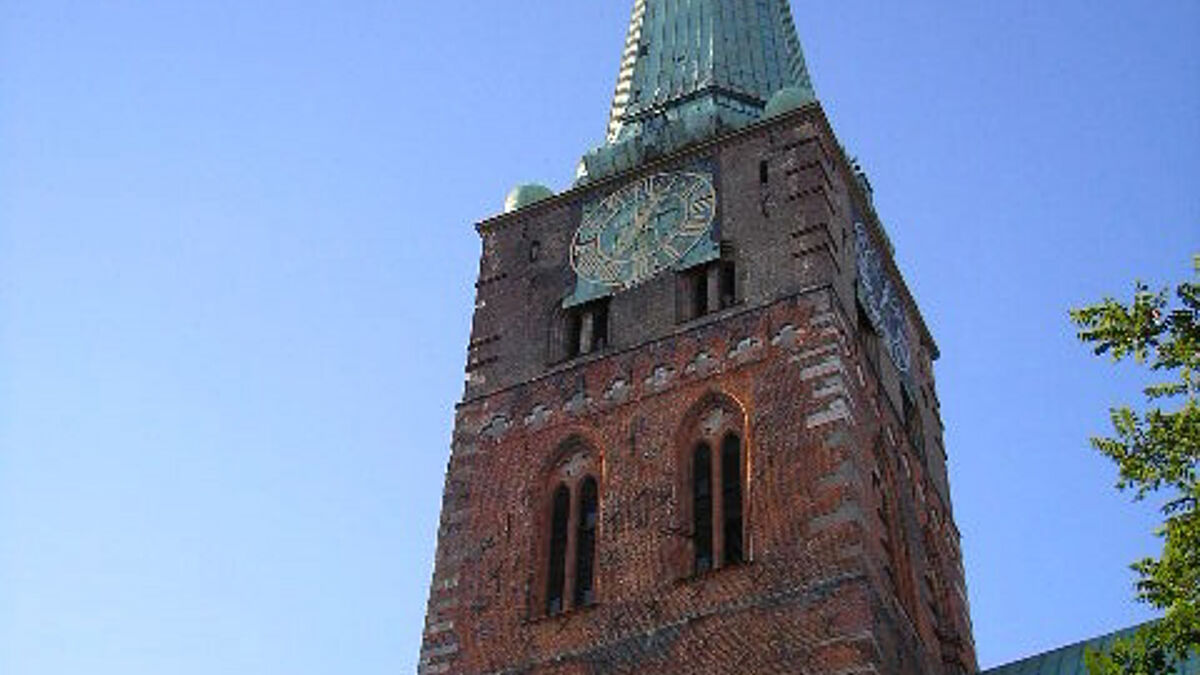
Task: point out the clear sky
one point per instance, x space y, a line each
236 267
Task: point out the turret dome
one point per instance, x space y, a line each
786 100
524 195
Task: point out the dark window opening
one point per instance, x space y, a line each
535 250
586 544
557 577
731 498
574 331
707 288
727 283
587 328
702 508
912 422
868 339
699 292
599 325
763 175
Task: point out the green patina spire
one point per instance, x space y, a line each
693 67
734 53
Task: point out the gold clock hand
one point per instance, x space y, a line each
628 237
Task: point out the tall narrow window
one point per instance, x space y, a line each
731 498
713 458
702 505
698 282
558 550
585 554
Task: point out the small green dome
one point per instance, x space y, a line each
786 100
524 195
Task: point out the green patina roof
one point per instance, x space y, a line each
1069 660
738 50
693 67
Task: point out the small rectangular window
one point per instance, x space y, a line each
707 288
599 311
699 289
574 331
727 285
587 328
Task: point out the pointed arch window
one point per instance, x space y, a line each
567 535
713 470
717 522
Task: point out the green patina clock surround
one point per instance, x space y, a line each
659 222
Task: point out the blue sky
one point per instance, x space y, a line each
236 267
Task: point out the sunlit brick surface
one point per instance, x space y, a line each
853 559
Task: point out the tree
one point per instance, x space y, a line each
1157 452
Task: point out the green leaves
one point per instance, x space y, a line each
1157 452
1151 651
1121 329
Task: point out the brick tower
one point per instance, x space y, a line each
700 432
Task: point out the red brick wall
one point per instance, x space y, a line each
823 445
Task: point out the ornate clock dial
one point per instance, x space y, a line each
880 300
642 229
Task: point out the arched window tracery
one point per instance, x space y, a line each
714 469
570 528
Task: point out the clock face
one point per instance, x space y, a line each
643 228
881 300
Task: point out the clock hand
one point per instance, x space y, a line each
628 237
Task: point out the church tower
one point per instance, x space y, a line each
700 432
